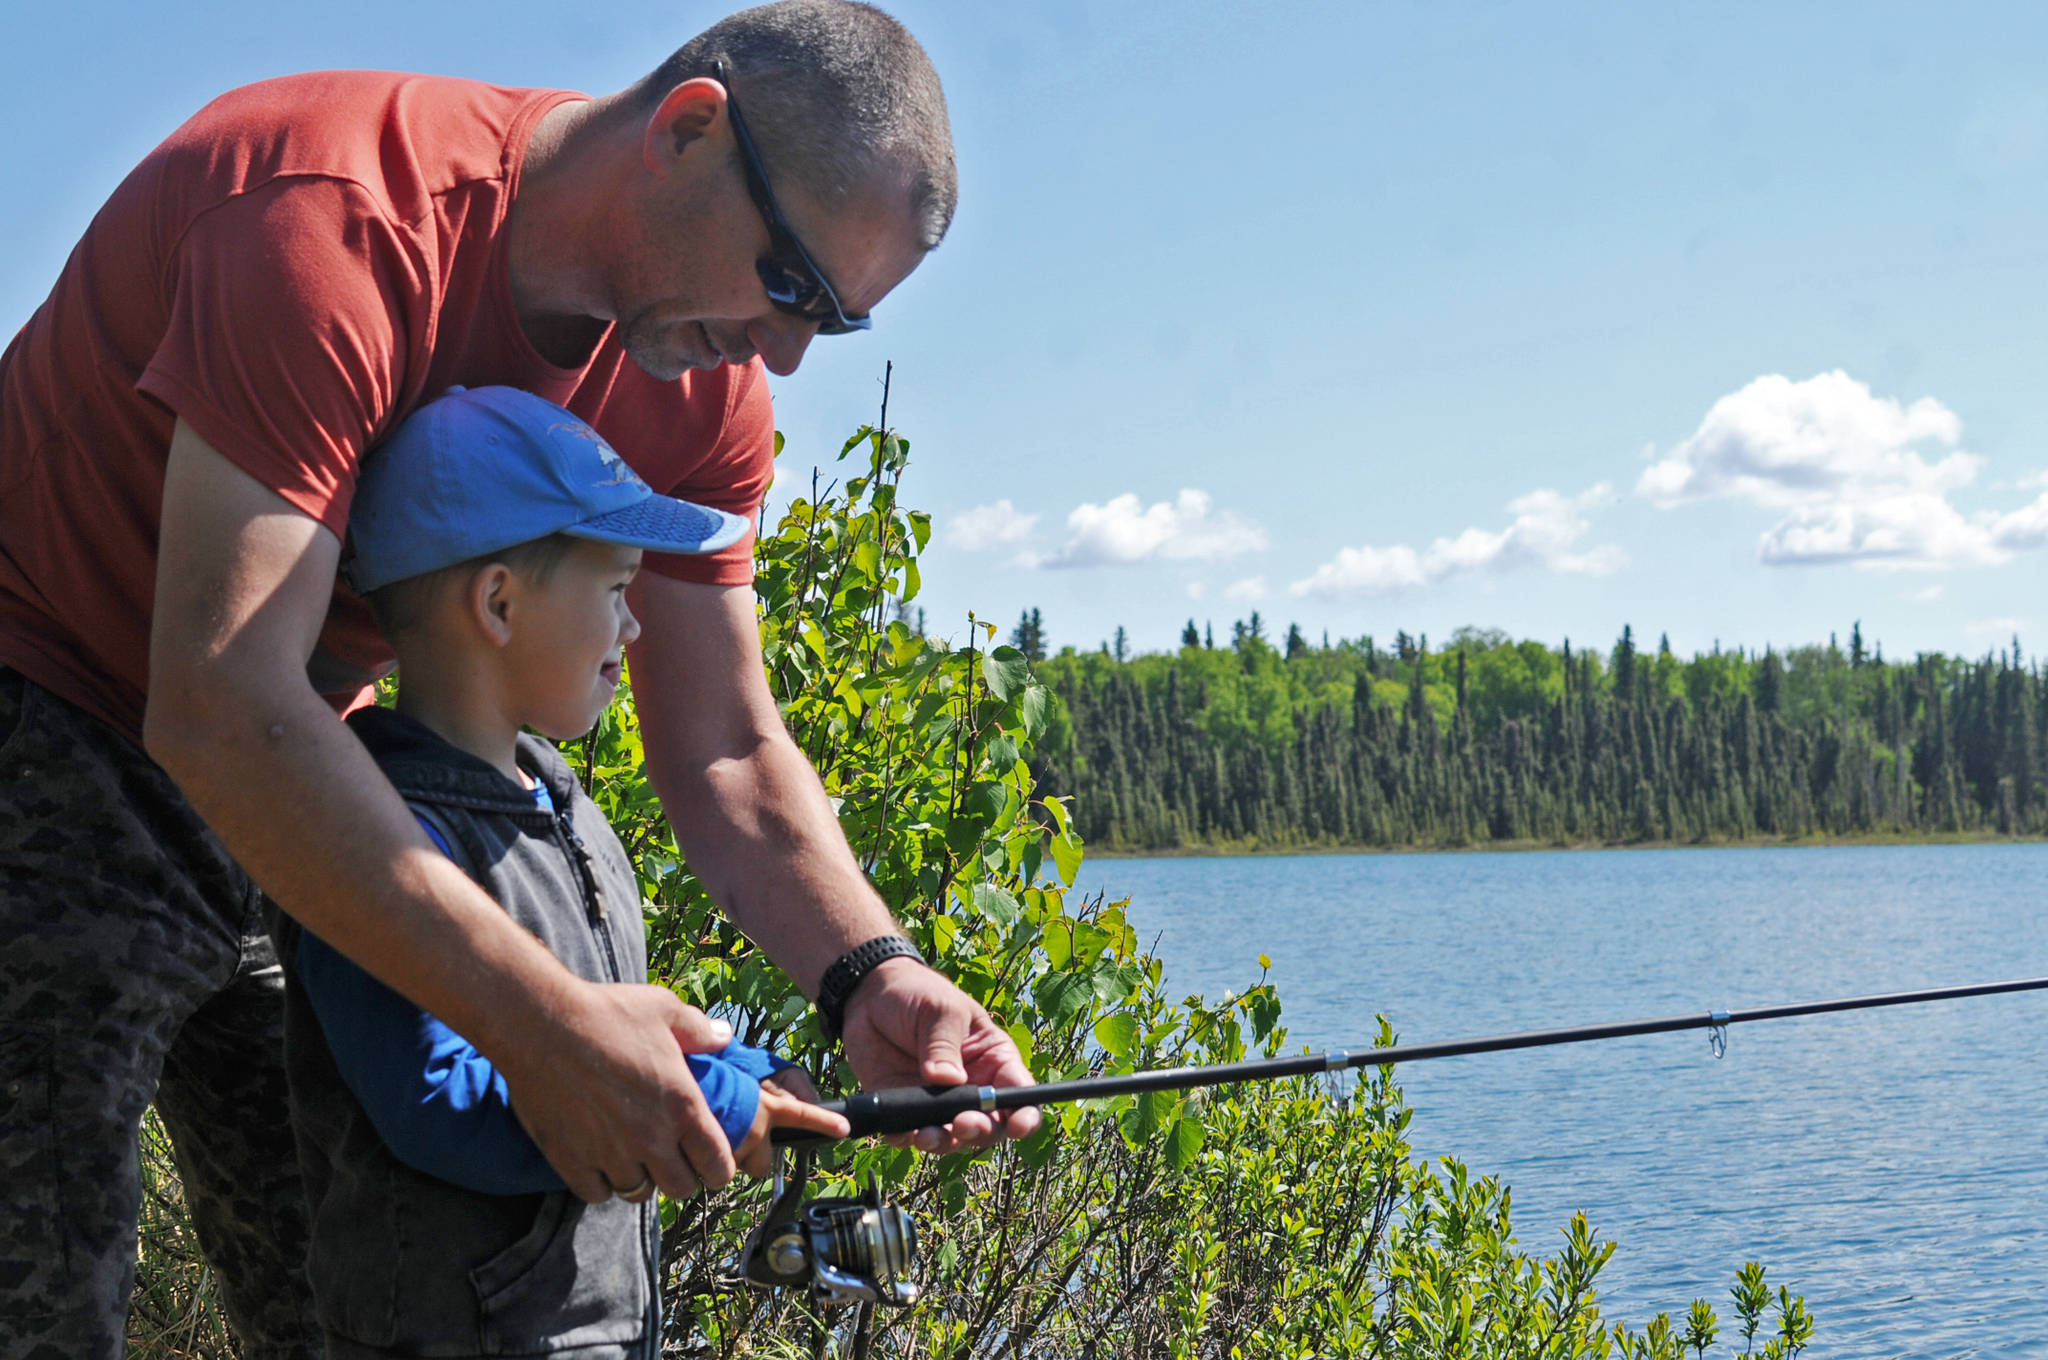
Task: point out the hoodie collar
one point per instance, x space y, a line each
422 764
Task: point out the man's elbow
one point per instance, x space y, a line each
194 709
175 716
743 760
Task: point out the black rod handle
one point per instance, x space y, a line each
904 1109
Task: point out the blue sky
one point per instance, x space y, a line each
1722 321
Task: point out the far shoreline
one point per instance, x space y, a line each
1251 849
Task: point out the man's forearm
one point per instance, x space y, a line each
301 806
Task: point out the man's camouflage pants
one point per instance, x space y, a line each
134 966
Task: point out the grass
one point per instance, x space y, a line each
176 1313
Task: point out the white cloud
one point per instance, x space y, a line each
1927 595
1197 589
1251 588
2033 479
1123 530
1998 627
986 527
1544 534
1850 474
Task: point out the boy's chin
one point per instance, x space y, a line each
563 731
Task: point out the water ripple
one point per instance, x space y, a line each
1886 1164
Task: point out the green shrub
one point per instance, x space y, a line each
1271 1219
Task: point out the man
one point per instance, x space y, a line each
270 293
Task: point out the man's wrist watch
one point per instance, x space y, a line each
845 974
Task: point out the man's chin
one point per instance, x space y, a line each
661 361
660 365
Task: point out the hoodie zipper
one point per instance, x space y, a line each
593 896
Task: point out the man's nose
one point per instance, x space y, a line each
781 341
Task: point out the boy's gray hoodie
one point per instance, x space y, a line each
402 1262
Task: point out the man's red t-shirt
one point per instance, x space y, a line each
293 272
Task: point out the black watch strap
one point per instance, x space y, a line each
840 980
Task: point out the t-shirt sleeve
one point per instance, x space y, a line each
734 476
291 308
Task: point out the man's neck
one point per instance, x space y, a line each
563 192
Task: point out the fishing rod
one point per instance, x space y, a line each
860 1248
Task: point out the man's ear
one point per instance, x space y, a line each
685 116
493 598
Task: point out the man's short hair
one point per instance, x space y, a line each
836 92
402 606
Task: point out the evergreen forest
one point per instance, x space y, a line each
1257 745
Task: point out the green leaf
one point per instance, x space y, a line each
1183 1143
1062 995
1113 982
1148 1115
1056 808
1006 671
1118 1035
995 903
1066 854
984 800
1038 703
1059 942
1020 1035
1041 1146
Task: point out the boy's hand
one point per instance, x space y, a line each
788 1101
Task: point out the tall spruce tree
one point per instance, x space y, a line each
1028 636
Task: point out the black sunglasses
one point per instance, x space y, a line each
794 282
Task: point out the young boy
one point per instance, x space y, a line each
494 536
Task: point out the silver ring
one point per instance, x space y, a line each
639 1192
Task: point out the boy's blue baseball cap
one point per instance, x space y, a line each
484 469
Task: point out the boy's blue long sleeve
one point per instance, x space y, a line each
442 1108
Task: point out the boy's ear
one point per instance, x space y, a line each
492 593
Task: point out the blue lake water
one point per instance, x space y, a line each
1889 1164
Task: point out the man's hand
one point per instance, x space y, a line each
906 1025
628 1041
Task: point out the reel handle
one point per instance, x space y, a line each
903 1109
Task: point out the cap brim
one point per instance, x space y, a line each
665 524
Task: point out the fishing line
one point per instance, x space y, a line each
907 1109
847 1249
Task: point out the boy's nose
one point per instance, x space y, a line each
629 627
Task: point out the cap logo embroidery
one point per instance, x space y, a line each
621 474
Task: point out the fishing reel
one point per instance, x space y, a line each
845 1249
